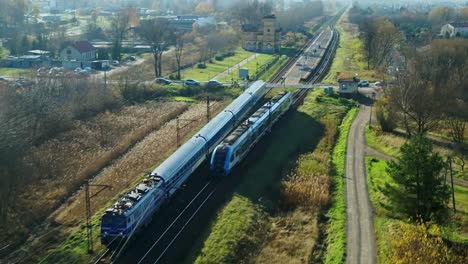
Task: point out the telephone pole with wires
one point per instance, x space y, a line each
88 197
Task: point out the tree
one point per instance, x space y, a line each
120 24
179 48
463 14
422 193
204 8
441 14
156 32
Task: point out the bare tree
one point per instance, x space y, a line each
156 31
120 24
415 99
179 48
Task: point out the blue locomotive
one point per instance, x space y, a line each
136 207
236 146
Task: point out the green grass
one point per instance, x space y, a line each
387 147
260 185
266 76
216 67
387 221
15 72
4 52
261 59
350 56
336 230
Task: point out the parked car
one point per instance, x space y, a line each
116 63
363 83
2 78
191 82
132 58
214 83
162 81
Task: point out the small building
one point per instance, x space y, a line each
348 85
455 29
265 38
79 51
43 54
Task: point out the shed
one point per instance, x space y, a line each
348 85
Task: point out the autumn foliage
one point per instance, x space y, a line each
422 243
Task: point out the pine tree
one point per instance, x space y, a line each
422 193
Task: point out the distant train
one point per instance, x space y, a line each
136 207
236 146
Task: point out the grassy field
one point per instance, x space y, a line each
15 72
261 59
350 55
244 224
336 229
216 67
389 144
388 222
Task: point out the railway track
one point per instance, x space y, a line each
321 70
165 239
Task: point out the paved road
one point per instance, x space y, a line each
360 238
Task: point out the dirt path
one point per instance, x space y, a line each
228 71
360 237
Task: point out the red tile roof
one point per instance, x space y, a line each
83 46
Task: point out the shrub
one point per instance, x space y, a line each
201 66
219 58
421 243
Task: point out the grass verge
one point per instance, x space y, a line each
336 230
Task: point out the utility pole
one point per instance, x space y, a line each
208 117
88 197
178 128
370 115
449 161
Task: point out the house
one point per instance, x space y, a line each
455 29
265 38
79 51
348 85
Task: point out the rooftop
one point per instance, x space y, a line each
83 46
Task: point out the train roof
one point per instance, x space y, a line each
240 130
209 129
179 157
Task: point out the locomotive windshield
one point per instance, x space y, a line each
113 221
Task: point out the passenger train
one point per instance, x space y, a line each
136 207
236 146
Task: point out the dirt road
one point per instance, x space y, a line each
360 238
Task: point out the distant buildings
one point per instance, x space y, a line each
79 51
265 38
455 29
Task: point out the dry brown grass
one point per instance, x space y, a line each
303 194
292 236
61 165
131 167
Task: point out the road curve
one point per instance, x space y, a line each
360 238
